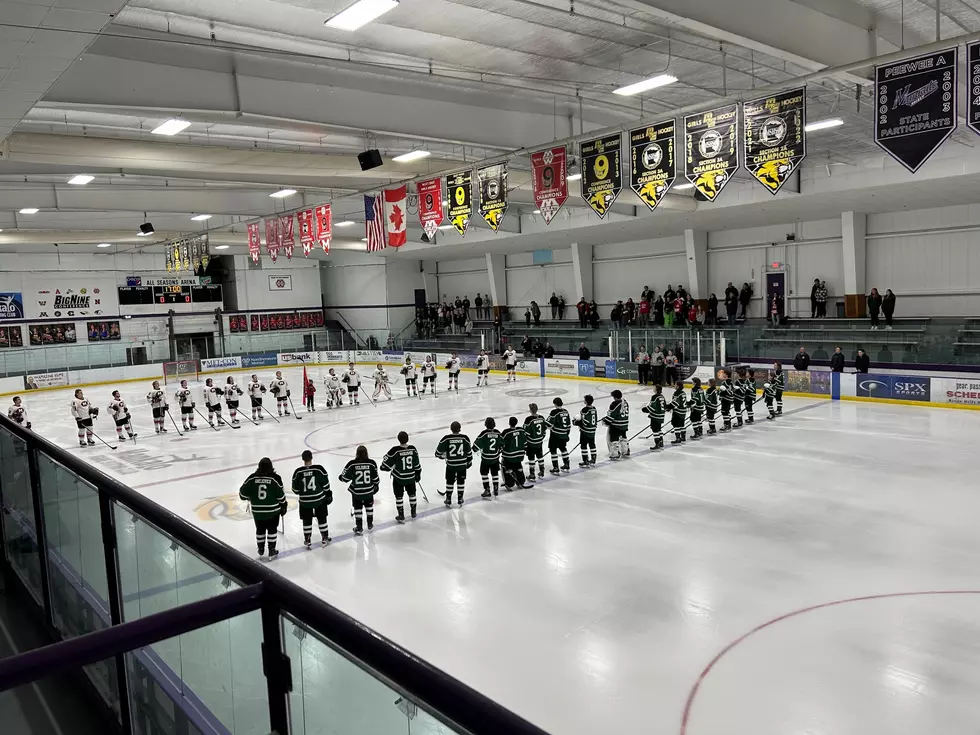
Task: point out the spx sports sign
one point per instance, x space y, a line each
11 305
896 387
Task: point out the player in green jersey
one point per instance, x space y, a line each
726 391
362 474
264 493
402 461
457 450
711 404
748 395
515 447
778 384
535 428
678 414
697 408
587 421
656 409
769 395
738 394
560 424
312 485
617 418
490 443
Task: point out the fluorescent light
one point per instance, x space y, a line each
171 127
411 156
537 211
221 247
201 217
363 239
447 227
345 223
575 177
80 180
104 245
661 80
283 193
29 210
360 13
682 187
832 122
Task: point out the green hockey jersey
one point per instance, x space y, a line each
490 443
656 408
362 476
515 444
587 421
312 485
456 449
560 422
618 415
535 427
403 463
265 494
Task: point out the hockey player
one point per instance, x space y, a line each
770 394
697 408
678 413
232 394
515 445
18 413
186 402
711 404
738 394
656 409
725 389
353 382
457 450
617 418
335 389
560 424
429 374
83 412
310 392
362 474
453 366
280 389
255 390
381 382
120 414
748 395
587 421
535 428
402 461
778 384
489 444
510 360
264 493
483 368
212 400
312 484
158 405
410 371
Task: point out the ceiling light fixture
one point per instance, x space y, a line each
447 227
80 180
832 122
282 193
146 229
104 245
201 217
661 80
682 187
221 247
171 127
575 177
536 211
29 210
411 156
363 239
360 13
345 223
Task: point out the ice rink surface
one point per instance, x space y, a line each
754 582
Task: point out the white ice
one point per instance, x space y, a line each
594 602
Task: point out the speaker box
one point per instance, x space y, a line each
369 159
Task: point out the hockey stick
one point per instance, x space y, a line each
104 441
173 421
210 423
244 417
368 396
270 413
422 490
295 415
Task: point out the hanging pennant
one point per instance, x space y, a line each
324 226
493 193
973 77
774 137
170 260
254 242
653 167
430 205
205 252
306 224
549 181
460 189
286 239
711 149
272 237
195 256
187 255
175 249
916 106
602 176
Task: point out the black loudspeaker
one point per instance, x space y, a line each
420 298
369 159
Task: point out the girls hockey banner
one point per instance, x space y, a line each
493 193
430 205
652 165
602 176
774 137
460 189
549 181
254 242
711 149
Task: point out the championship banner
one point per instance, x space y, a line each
493 193
973 80
174 247
287 241
549 181
195 256
272 237
205 252
254 242
307 221
170 260
602 176
459 187
916 106
324 226
711 144
430 205
652 164
187 256
774 137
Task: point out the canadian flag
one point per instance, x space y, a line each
396 216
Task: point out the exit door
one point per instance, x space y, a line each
776 288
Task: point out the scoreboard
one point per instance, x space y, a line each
169 294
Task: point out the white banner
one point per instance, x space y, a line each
183 281
704 372
47 380
557 366
220 363
333 356
280 283
368 356
300 358
62 298
396 358
959 391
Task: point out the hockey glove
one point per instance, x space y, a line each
329 497
288 394
28 424
283 508
263 389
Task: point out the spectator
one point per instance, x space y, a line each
488 305
679 352
776 309
467 325
478 303
657 364
527 316
731 303
616 314
643 365
644 312
802 360
645 295
813 298
629 312
549 351
538 348
554 305
822 300
679 311
594 315
536 313
668 313
526 345
658 311
466 306
458 303
692 313
837 361
561 307
744 297
583 311
670 368
669 295
681 292
712 316
583 352
874 308
888 307
862 362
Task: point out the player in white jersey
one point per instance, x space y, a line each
255 390
335 390
83 412
483 368
280 389
185 399
353 382
18 413
158 404
429 374
212 399
232 393
120 414
381 382
410 371
453 366
510 359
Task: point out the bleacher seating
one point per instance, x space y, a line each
967 343
821 336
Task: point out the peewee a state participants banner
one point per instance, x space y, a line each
493 193
916 106
602 175
652 164
549 181
973 84
430 205
774 137
711 149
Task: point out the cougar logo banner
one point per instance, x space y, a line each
493 193
460 189
175 247
185 248
774 137
602 177
652 165
916 106
549 182
170 261
711 149
430 205
195 256
205 252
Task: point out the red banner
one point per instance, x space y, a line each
286 239
549 181
272 237
324 227
306 237
254 242
430 205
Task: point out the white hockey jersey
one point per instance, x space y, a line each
81 409
380 376
232 392
118 410
453 364
256 389
17 414
510 357
428 369
333 384
184 398
213 395
352 379
156 398
279 387
410 371
483 362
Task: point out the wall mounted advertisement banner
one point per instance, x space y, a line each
602 174
430 205
221 363
11 305
47 380
896 387
254 242
558 366
333 357
653 167
549 181
270 359
586 368
459 187
774 137
288 358
280 283
958 391
72 298
711 150
493 193
916 106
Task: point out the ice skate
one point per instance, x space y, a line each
308 544
273 555
325 540
485 494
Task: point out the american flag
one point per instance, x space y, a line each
374 223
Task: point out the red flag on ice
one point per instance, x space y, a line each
396 217
306 384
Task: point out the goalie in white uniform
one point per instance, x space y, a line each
453 366
483 368
510 359
335 390
185 399
18 413
158 404
83 412
428 374
353 382
280 389
381 382
120 414
232 394
212 399
410 371
255 390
